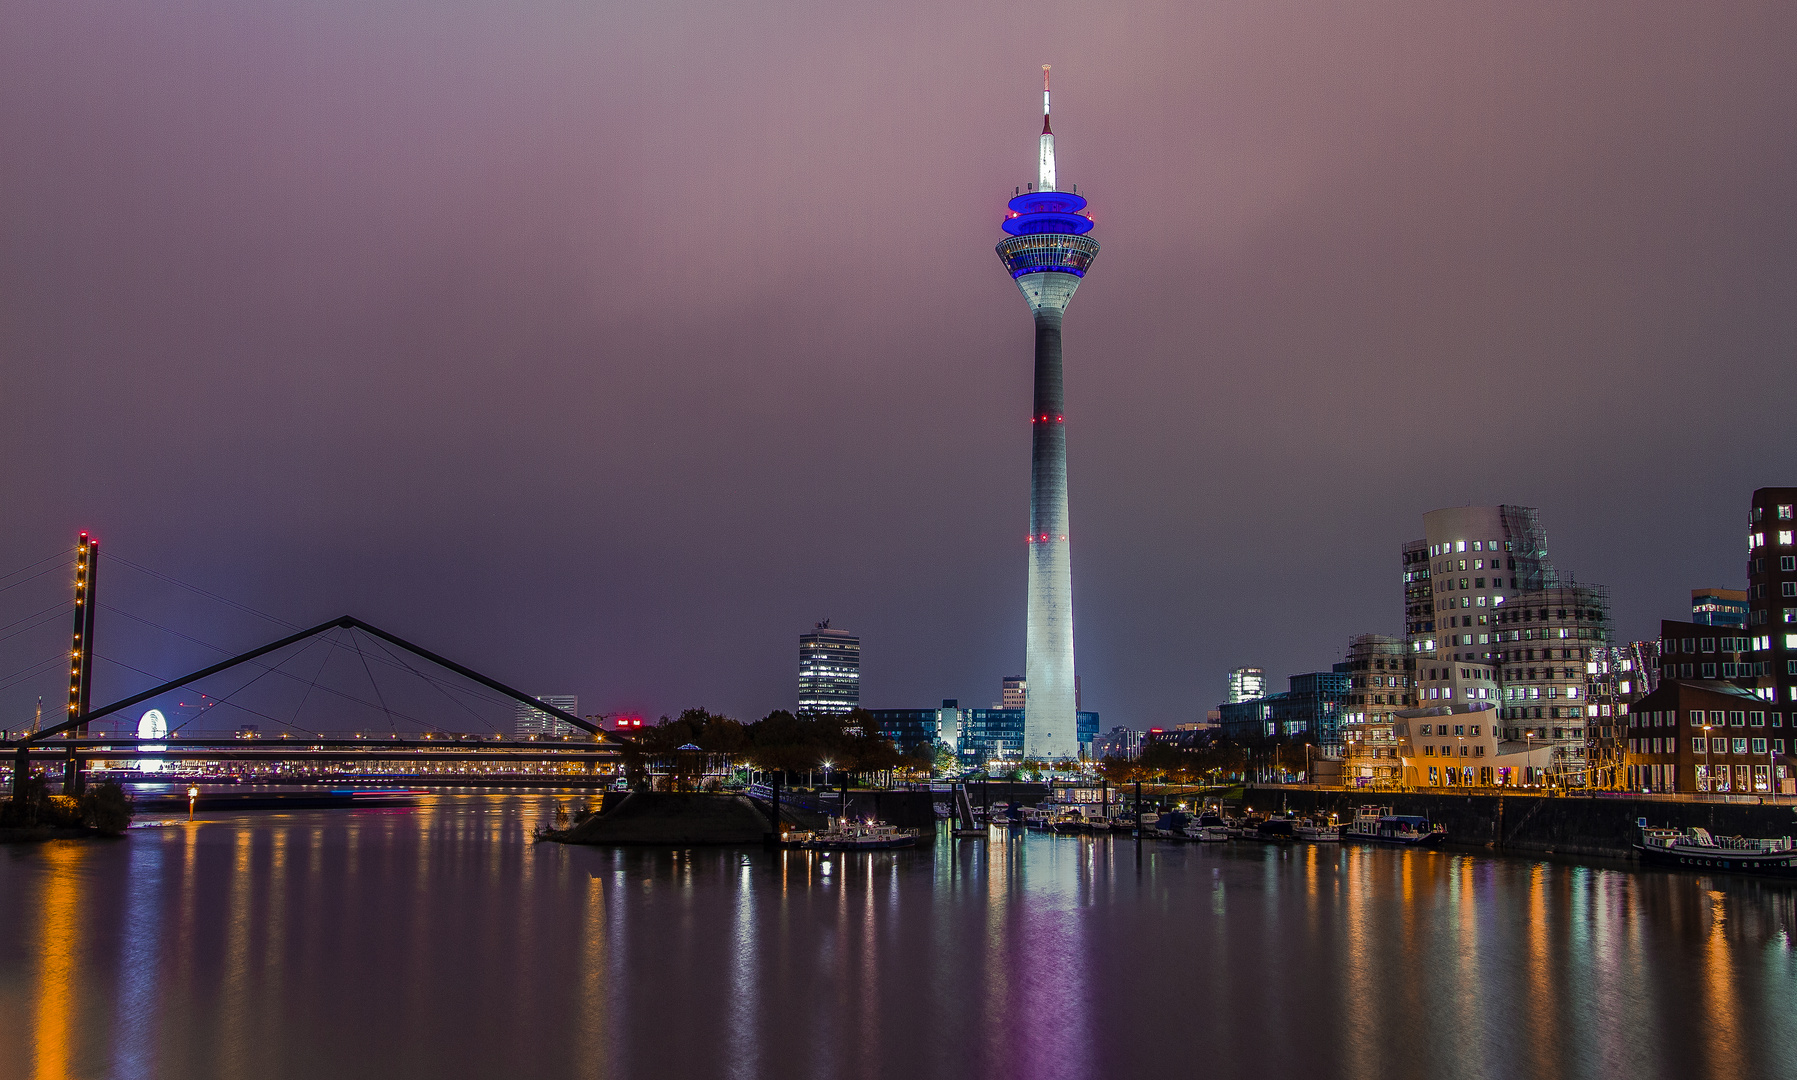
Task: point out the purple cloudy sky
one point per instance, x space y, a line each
607 346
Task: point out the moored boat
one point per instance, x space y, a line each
845 835
1698 849
1378 825
1317 831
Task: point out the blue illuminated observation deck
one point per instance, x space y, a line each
1048 234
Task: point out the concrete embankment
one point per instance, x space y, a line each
1541 824
670 820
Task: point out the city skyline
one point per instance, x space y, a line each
452 355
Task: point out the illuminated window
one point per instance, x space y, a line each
1784 512
1784 537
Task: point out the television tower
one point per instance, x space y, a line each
1047 253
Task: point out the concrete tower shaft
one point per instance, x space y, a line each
1047 255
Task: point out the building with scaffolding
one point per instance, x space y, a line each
1493 629
1380 673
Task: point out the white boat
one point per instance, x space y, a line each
1696 848
845 835
1317 831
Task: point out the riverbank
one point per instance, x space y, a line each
669 820
1602 826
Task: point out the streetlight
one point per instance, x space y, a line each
193 793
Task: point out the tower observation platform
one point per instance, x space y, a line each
1047 253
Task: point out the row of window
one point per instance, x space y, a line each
1758 539
1715 718
1469 730
1457 546
1473 693
1476 750
1672 646
1668 745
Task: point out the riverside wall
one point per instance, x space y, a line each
1601 825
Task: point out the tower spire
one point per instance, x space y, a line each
1045 180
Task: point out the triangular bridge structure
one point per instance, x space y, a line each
23 746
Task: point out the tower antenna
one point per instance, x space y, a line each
1045 179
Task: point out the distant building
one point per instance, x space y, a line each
1719 607
997 734
1119 742
829 671
1246 684
1380 675
914 728
1012 692
537 724
1310 710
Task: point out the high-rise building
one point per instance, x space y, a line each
1772 592
1047 253
537 724
1719 607
1492 627
829 671
1246 684
1012 692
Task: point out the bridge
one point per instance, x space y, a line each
432 753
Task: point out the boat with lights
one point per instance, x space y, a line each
1697 849
846 835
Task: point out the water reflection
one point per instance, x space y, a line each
439 941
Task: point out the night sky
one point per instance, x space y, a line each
606 347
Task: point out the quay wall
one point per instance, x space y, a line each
1541 824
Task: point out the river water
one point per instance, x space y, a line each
439 941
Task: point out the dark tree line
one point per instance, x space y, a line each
779 741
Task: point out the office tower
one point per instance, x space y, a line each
537 724
1772 592
1719 607
1246 684
1047 254
1012 692
829 671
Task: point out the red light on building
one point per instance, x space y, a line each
627 723
1155 730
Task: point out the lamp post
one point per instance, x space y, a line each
193 793
1707 779
1528 757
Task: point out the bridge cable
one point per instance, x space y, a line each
26 673
52 612
355 636
114 556
275 668
307 696
33 577
440 689
63 555
217 701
